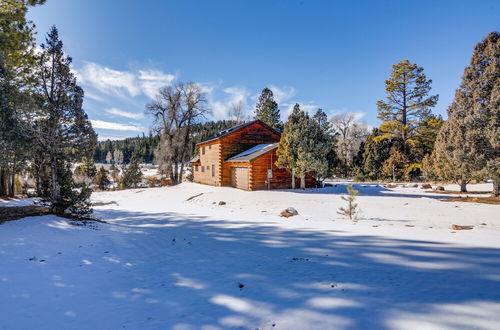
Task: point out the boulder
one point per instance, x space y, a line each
440 188
390 186
222 203
426 186
413 185
289 212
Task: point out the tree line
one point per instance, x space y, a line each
44 128
411 142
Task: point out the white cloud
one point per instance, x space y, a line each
122 83
115 126
108 81
121 113
282 94
229 97
93 96
152 80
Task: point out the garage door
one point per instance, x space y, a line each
239 177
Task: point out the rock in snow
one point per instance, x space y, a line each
289 212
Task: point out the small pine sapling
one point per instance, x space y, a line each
352 209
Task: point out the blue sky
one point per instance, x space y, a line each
330 54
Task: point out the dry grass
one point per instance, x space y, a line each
456 192
483 200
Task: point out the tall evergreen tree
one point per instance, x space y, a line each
375 153
289 145
304 145
56 120
467 145
267 110
16 62
407 103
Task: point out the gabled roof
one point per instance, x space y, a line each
237 128
253 153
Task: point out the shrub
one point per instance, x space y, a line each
351 210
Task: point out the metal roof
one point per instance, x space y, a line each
253 153
195 159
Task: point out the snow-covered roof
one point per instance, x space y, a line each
253 152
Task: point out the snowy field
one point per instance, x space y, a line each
163 262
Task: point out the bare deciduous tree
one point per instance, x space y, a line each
350 134
237 111
175 109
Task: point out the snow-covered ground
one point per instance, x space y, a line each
163 262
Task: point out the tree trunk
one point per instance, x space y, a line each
181 171
303 182
293 180
2 182
463 186
56 189
496 189
12 183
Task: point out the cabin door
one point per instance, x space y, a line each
239 177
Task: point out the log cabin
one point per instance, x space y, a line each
243 157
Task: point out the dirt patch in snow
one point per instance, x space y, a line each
456 192
483 200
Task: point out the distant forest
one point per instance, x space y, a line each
144 146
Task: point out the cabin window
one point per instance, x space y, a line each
210 147
196 168
208 167
203 150
203 168
213 170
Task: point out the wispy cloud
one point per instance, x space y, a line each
121 113
108 81
222 101
101 124
122 83
152 80
282 94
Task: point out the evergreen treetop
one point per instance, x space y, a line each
267 110
407 102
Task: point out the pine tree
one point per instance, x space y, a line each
394 167
375 153
102 179
467 144
132 174
16 63
305 145
407 103
267 110
56 120
351 210
289 145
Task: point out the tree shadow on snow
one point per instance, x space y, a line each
238 274
364 189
